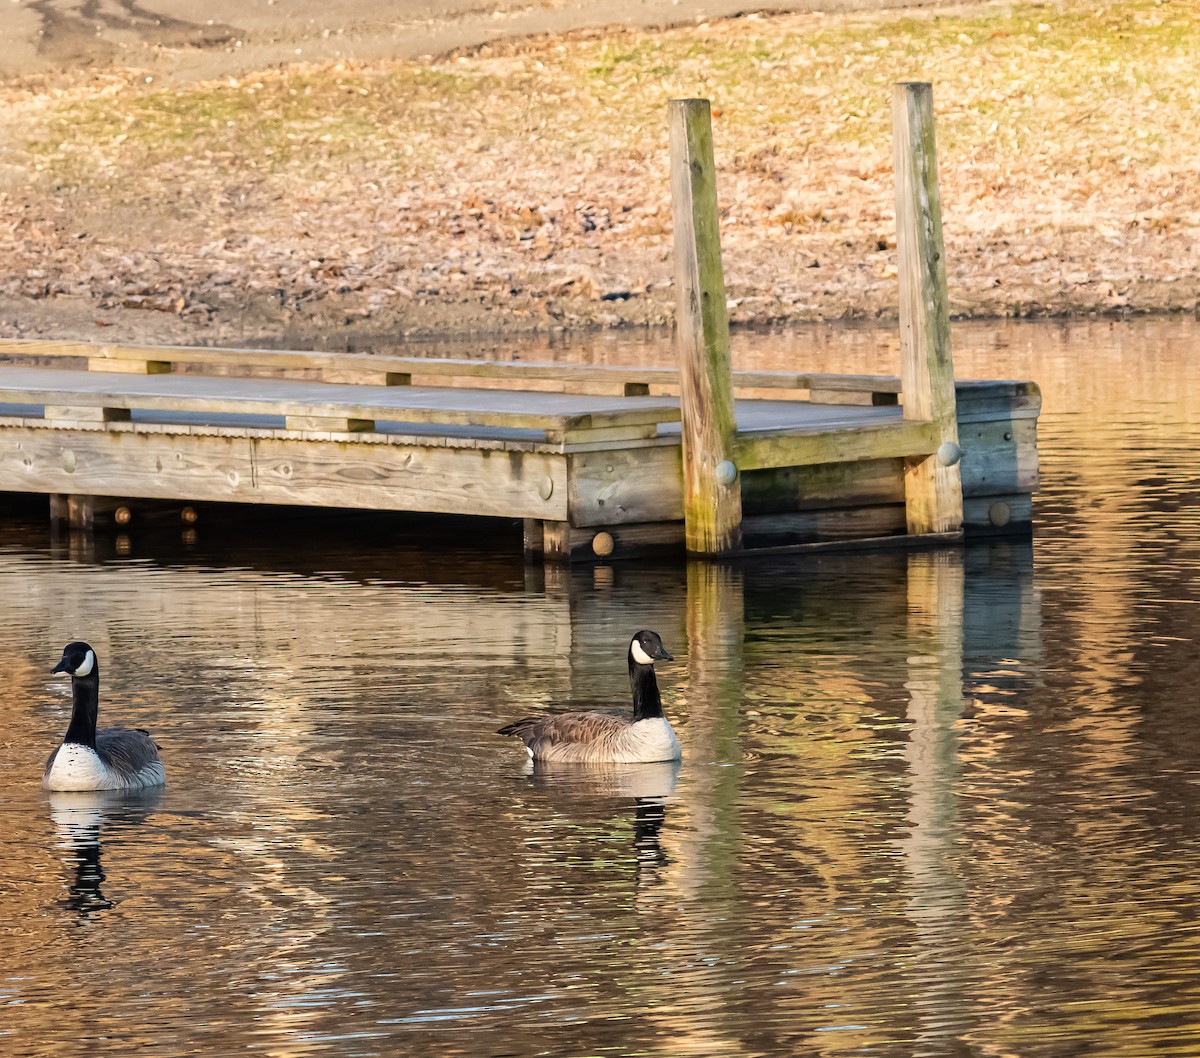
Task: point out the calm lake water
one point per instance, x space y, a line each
941 803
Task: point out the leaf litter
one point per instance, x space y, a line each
525 185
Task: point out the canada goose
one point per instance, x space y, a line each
115 758
604 738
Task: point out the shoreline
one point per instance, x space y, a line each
521 188
81 319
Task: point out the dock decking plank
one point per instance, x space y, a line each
560 413
442 371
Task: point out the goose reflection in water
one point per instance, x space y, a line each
649 786
79 820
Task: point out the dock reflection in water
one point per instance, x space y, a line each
931 803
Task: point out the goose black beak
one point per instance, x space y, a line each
60 667
663 655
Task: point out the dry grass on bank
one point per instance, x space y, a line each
527 184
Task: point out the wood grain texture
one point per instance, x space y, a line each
866 482
834 523
129 367
801 447
934 491
327 424
634 485
712 511
999 457
553 412
470 481
602 380
360 376
66 413
852 396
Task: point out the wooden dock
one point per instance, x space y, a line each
590 470
596 461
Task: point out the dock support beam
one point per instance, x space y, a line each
712 498
932 485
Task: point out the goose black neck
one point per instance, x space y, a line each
86 693
646 702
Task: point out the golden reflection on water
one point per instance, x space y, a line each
932 803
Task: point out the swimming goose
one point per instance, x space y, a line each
604 738
115 758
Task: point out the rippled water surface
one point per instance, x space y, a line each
934 803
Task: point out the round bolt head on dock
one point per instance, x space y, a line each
948 453
726 472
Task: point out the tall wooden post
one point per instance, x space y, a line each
712 497
932 486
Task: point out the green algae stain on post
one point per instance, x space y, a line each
933 484
711 497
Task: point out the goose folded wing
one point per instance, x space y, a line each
587 728
126 749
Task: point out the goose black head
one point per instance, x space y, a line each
645 648
78 660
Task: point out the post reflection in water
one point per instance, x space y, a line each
937 897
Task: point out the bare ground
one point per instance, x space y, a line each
522 185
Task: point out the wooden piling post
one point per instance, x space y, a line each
712 499
932 485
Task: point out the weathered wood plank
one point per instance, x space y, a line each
998 515
327 424
932 485
977 401
834 523
606 436
712 502
129 367
303 472
371 369
865 482
630 485
73 413
565 542
852 396
360 376
224 395
999 457
791 448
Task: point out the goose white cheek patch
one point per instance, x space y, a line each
639 655
89 663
